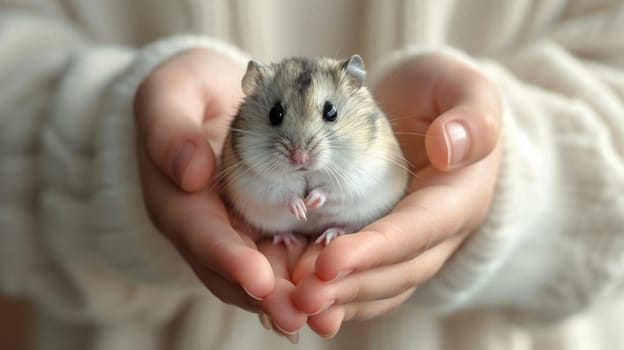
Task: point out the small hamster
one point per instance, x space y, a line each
310 152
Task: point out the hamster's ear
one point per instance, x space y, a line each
252 77
354 67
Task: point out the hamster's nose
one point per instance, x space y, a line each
300 157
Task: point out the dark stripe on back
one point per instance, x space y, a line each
304 80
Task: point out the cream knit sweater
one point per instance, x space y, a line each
76 240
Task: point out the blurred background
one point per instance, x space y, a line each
15 324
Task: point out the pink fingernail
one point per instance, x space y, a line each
340 275
251 295
181 160
343 274
284 331
293 338
265 321
456 139
324 307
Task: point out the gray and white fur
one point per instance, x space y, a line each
306 172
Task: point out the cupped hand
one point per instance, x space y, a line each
182 114
446 116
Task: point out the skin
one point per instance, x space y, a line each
190 100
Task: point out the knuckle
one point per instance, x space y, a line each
357 313
428 273
343 251
354 291
387 233
412 278
457 205
382 243
362 312
490 125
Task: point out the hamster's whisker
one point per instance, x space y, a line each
316 141
398 163
393 119
243 131
260 165
239 171
338 144
224 172
412 133
347 178
334 171
241 174
420 117
263 165
316 133
271 166
399 156
338 173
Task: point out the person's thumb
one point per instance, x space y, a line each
171 135
461 136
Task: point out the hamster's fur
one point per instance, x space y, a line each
309 128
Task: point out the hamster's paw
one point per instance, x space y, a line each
316 198
329 235
297 207
290 240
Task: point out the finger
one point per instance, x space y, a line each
305 265
267 323
314 296
371 309
215 245
169 128
198 225
281 257
415 224
468 126
278 305
225 290
328 323
440 205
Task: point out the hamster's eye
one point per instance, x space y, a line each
276 114
329 112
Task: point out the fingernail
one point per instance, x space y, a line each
250 294
277 327
293 338
456 138
340 275
181 160
265 321
330 335
324 307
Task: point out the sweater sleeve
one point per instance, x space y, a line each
36 46
553 243
92 206
74 235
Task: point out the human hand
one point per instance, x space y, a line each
446 116
182 111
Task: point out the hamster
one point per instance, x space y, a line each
310 152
